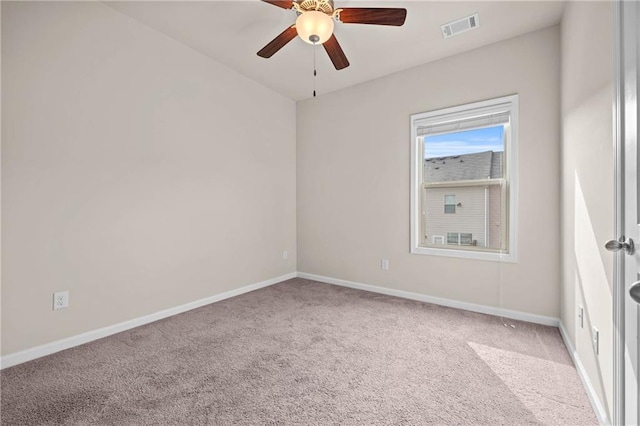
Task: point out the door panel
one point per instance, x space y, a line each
627 310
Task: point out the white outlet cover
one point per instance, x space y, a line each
581 315
384 264
285 255
60 300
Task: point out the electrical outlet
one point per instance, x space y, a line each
60 300
596 340
285 255
581 316
384 264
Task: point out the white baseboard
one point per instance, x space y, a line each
69 342
601 413
490 310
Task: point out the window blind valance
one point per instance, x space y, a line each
450 123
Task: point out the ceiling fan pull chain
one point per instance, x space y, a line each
315 73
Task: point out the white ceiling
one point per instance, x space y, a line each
231 32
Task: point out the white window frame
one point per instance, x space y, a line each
505 103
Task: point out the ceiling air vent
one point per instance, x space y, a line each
460 26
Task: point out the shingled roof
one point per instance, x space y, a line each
480 165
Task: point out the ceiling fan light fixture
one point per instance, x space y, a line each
314 27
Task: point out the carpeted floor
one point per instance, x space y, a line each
307 353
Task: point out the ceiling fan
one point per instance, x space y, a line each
315 25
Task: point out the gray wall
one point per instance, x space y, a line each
353 180
136 173
587 185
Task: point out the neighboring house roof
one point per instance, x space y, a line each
481 165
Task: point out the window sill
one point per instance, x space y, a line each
466 254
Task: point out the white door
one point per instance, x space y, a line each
627 283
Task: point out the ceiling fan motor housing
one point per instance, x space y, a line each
325 6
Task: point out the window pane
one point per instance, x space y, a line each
479 215
469 155
452 238
476 211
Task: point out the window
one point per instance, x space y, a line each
463 180
460 239
466 239
449 203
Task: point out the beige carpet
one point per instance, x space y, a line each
306 353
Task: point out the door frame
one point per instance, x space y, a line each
625 51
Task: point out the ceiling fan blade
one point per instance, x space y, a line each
278 43
285 4
335 53
373 15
